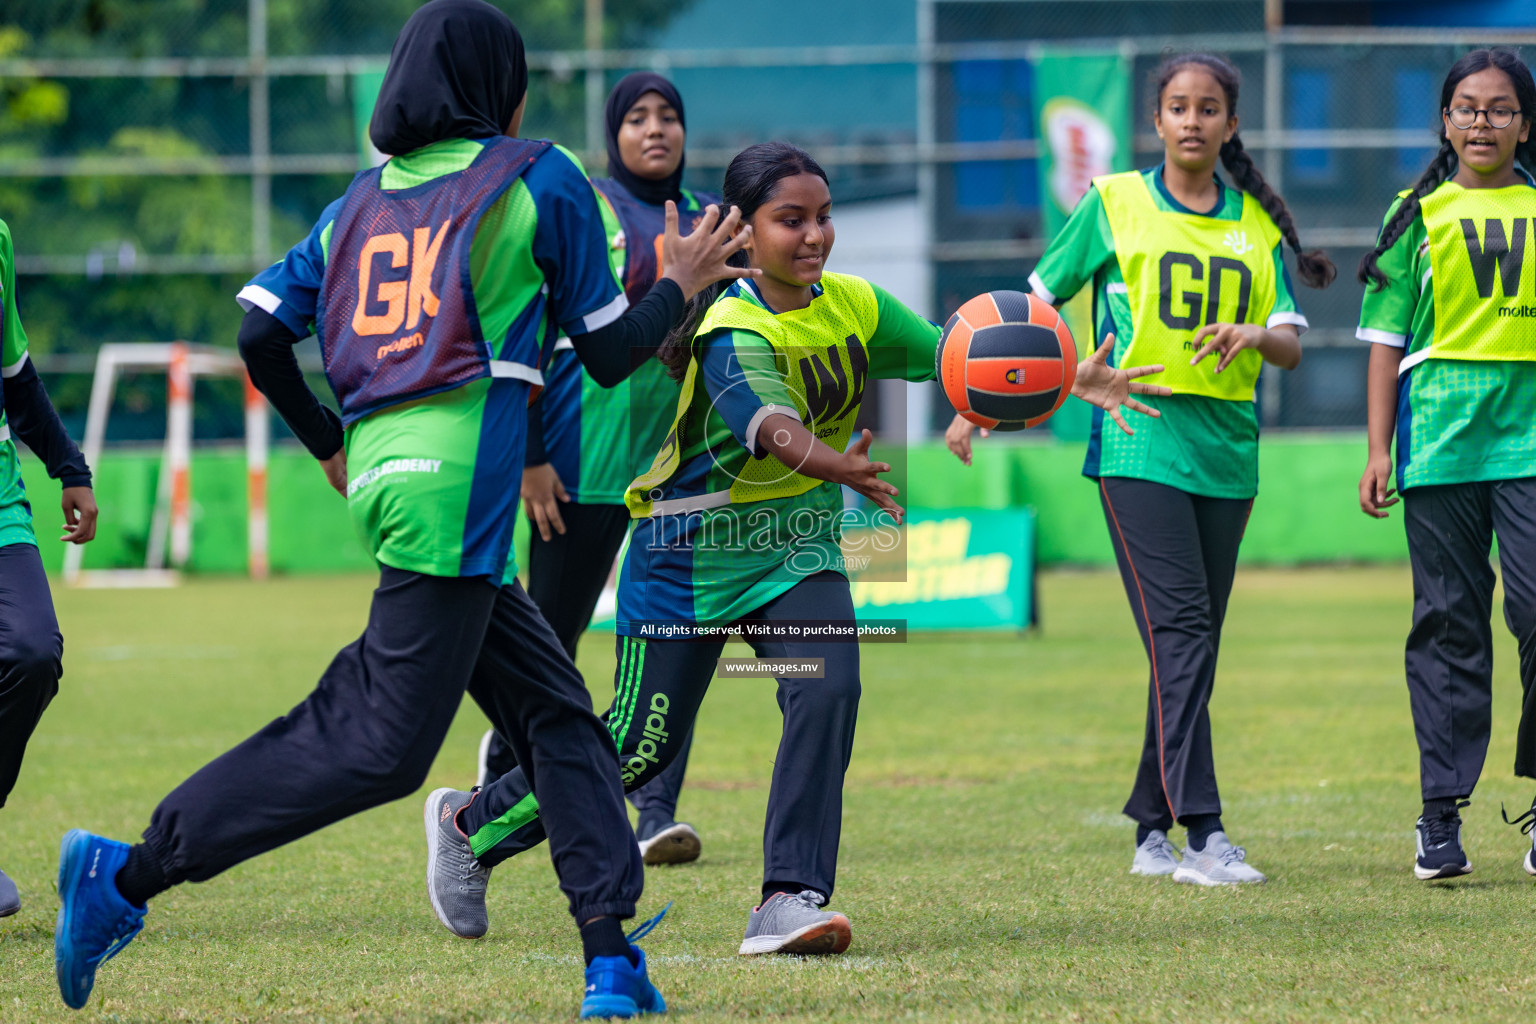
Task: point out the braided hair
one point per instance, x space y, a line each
1445 163
750 181
1312 265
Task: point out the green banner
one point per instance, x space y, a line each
1083 110
958 569
365 93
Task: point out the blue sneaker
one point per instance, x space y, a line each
617 988
95 922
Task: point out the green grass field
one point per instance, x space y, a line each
984 859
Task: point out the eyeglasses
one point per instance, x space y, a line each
1466 117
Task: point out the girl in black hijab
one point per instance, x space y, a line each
573 488
430 353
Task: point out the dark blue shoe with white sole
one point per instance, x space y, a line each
617 988
1440 854
95 921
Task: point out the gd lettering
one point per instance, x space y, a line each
1179 308
403 301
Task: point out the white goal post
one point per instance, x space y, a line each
172 519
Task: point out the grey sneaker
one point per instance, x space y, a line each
1220 863
1155 856
795 924
10 899
455 879
678 843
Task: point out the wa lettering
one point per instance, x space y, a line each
387 303
1186 284
832 390
1499 254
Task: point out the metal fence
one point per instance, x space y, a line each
198 164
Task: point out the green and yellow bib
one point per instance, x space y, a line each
1182 271
825 382
1482 257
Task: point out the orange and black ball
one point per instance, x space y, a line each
1006 360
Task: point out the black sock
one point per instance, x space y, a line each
142 877
1200 827
1142 831
605 937
1440 808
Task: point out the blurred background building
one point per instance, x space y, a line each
155 153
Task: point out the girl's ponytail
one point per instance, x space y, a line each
1312 265
1435 175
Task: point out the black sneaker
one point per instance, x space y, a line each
1529 818
1440 852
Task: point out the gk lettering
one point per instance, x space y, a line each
386 304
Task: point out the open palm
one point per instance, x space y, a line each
1110 387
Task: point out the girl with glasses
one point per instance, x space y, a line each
1450 310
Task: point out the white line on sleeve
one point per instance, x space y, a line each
1379 337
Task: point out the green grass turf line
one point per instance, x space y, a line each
984 859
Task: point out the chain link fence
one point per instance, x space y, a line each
147 171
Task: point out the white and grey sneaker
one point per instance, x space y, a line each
678 843
455 879
1527 823
10 899
1220 863
795 924
1155 855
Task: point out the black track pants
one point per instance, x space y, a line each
1177 554
566 575
370 730
31 655
658 689
1449 656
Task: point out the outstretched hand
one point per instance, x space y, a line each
1111 387
695 262
957 436
862 475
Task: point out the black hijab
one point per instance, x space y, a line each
625 95
457 72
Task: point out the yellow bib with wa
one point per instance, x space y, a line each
1183 271
1482 258
821 352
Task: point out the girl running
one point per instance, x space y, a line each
1447 311
434 284
1186 270
738 523
31 648
573 486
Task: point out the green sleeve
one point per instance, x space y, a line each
903 344
14 348
1077 252
1386 314
1285 310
